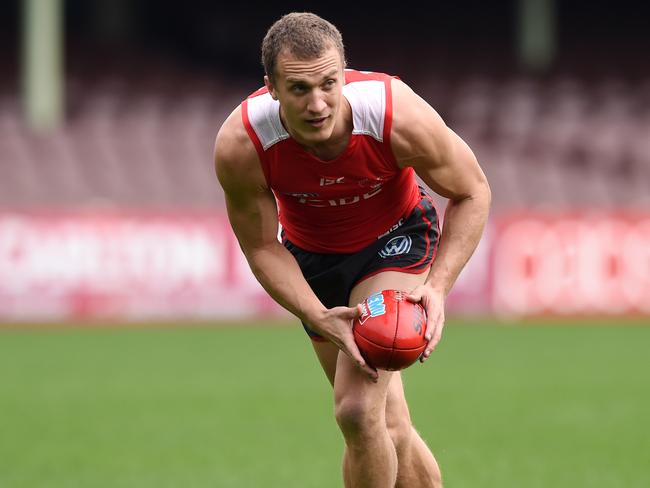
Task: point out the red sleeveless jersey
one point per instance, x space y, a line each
342 205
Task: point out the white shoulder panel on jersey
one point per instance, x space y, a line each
368 102
264 116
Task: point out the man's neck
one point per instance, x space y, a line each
338 141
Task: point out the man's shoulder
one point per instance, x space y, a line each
417 130
233 147
408 105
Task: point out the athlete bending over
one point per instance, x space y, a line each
338 150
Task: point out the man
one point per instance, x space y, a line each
338 149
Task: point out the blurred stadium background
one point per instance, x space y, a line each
110 214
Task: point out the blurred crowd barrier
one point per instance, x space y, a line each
137 265
187 265
574 263
117 214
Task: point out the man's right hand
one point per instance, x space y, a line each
335 325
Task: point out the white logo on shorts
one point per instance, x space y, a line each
396 246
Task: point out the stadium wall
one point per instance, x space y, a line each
134 265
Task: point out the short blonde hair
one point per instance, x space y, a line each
305 35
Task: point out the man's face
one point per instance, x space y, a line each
310 94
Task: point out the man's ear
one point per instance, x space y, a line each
270 87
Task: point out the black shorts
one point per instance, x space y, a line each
409 247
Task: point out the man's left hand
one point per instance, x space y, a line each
433 302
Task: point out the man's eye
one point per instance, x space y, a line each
328 85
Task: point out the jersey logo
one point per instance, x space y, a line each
372 183
325 181
300 195
393 228
306 198
396 246
374 306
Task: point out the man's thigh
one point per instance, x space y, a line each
387 280
327 353
396 407
348 380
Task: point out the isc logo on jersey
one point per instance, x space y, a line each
374 306
326 181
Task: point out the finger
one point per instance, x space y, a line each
372 373
433 337
351 313
428 334
432 323
432 344
414 296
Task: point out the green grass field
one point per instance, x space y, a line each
502 406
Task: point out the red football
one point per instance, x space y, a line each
390 331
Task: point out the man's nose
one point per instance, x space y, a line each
316 102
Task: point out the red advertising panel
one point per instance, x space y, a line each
572 264
140 266
123 266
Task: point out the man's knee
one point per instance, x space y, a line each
357 415
400 429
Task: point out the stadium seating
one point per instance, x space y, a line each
145 140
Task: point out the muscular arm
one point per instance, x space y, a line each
442 160
253 216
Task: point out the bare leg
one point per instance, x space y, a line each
416 465
370 459
382 447
417 468
347 475
360 408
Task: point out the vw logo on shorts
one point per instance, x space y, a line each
396 246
